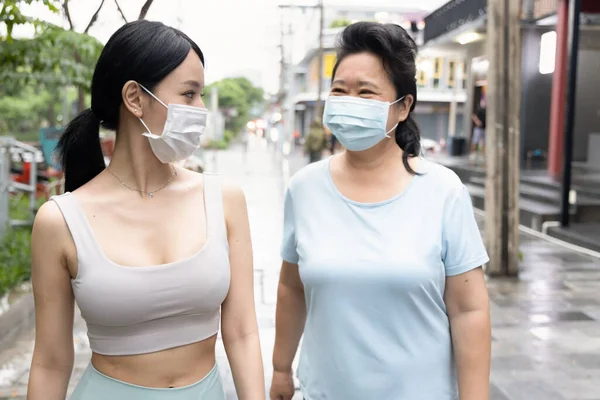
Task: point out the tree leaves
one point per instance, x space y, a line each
236 98
340 23
11 15
55 56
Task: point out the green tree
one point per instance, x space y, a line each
22 113
253 94
54 57
25 113
11 15
340 23
236 97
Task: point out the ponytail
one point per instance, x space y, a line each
80 151
408 137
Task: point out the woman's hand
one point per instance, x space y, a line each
282 386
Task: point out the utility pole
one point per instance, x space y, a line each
320 6
291 92
319 105
502 136
5 181
282 60
574 15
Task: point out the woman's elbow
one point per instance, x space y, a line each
55 358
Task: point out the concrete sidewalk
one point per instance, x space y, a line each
546 324
263 180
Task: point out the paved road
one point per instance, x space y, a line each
546 325
263 177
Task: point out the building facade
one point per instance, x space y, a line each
460 27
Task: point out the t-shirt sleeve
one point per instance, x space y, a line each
289 251
462 247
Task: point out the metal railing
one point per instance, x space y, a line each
8 146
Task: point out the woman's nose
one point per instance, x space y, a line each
199 103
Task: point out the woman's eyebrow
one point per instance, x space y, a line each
192 83
367 83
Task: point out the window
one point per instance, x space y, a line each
451 74
547 53
437 71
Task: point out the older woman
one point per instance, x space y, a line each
382 254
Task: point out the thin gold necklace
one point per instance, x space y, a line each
149 194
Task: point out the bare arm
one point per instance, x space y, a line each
53 353
290 318
239 326
468 308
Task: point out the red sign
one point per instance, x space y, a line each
544 8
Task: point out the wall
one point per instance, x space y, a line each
312 78
436 81
587 111
432 119
474 50
536 94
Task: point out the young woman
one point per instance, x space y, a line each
155 256
381 250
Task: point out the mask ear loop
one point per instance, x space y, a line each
149 133
387 134
145 126
156 98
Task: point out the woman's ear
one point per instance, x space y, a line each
404 106
132 98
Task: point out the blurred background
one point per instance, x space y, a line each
524 72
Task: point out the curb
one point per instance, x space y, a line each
18 318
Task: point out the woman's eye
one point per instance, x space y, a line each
337 90
202 94
190 95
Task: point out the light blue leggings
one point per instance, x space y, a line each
96 386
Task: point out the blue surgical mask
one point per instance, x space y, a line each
357 123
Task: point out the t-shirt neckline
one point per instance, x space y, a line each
422 170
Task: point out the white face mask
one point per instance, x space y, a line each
181 134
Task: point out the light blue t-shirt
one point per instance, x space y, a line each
374 278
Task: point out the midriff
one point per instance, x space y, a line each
176 367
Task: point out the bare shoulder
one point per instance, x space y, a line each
233 195
234 207
50 237
49 220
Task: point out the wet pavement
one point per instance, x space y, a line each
546 324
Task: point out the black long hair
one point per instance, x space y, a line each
398 52
143 51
